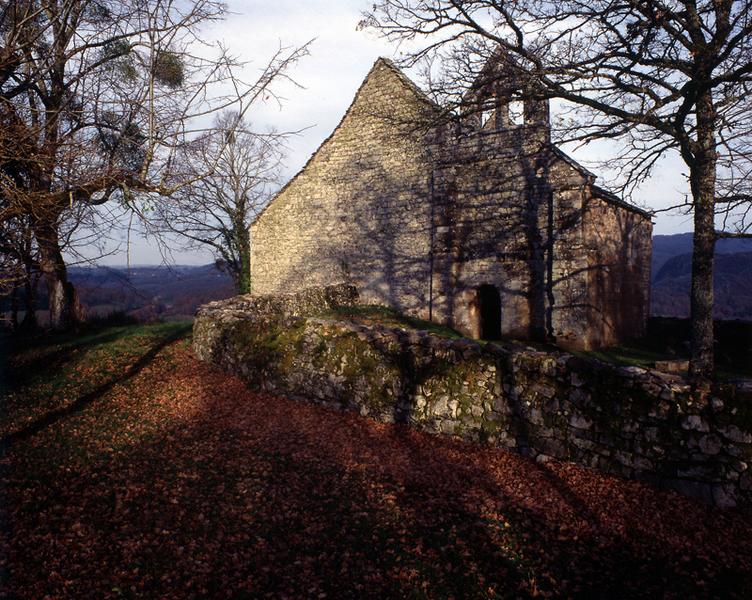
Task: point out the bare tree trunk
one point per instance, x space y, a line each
30 308
701 363
703 182
244 274
65 310
14 309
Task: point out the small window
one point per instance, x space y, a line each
485 117
516 112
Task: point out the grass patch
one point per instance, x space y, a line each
626 356
366 314
635 356
663 342
49 373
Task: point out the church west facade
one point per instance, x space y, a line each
479 223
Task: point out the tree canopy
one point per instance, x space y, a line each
656 76
97 97
233 172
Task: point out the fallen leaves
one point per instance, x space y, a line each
180 482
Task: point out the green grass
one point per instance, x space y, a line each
33 360
638 355
627 356
366 314
50 372
381 315
641 353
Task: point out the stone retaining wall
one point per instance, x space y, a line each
628 421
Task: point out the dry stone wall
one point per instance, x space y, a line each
628 421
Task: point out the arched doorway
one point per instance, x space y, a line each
489 312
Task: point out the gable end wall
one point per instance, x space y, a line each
618 245
359 212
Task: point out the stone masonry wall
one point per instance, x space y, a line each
508 213
418 216
357 213
617 248
628 421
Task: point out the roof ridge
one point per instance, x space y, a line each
609 196
599 191
380 61
572 162
388 62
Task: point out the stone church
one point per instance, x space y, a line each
478 222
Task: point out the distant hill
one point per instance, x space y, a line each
146 293
151 292
158 292
672 270
668 246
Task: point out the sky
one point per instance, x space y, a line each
340 57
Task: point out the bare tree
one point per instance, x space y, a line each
96 99
242 168
18 270
659 76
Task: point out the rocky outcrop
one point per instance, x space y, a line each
215 319
628 421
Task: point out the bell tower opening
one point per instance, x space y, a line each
489 312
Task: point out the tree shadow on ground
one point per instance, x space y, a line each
49 352
85 400
253 495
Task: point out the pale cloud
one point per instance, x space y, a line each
340 57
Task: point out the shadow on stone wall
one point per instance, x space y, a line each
502 215
418 207
628 421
